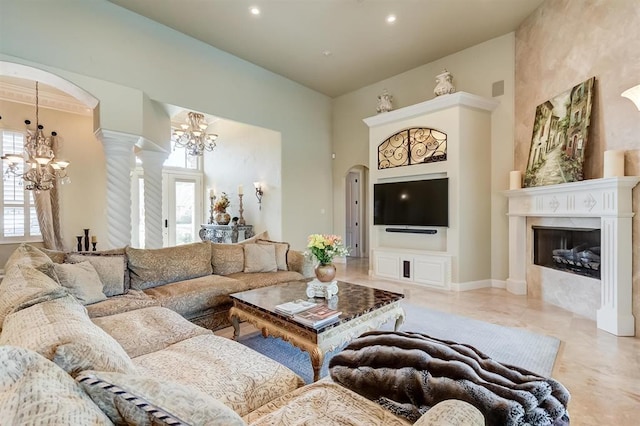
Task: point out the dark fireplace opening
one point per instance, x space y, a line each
575 250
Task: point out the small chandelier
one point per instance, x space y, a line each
193 136
43 168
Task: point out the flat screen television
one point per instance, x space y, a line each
414 203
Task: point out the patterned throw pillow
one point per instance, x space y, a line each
153 267
143 400
82 281
33 390
260 258
24 286
282 249
112 270
26 254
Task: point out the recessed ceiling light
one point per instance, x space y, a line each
327 53
254 10
391 19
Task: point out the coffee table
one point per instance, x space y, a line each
363 309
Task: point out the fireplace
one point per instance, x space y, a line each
599 203
573 250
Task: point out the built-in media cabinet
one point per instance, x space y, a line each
420 245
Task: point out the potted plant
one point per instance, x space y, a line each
220 207
325 248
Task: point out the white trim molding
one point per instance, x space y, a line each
610 200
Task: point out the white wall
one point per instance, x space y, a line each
107 50
243 155
474 71
83 200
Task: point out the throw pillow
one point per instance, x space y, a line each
143 400
282 249
153 267
264 235
227 258
56 256
82 281
24 286
26 254
260 258
33 390
112 270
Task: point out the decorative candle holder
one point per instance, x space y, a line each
94 245
241 220
86 239
79 238
212 200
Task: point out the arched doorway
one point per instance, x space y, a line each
356 211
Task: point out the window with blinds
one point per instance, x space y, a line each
19 218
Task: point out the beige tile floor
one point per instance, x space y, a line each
601 371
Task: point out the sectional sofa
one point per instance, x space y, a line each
104 339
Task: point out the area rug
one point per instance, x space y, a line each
531 351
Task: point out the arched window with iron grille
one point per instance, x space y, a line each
416 145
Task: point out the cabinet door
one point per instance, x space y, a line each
432 271
387 265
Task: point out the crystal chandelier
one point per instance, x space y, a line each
38 157
193 135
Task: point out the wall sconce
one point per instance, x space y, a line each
634 95
259 194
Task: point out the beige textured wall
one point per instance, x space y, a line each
565 42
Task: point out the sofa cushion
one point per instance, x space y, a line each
131 300
282 249
153 267
24 286
192 297
112 270
81 279
263 279
141 401
148 330
61 331
238 376
227 258
26 254
33 390
451 412
323 403
260 258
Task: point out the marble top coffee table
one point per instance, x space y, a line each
363 309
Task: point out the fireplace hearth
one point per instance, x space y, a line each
574 250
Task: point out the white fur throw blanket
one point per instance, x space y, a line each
410 372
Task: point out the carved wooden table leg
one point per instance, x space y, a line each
235 322
317 358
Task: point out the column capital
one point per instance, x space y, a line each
115 139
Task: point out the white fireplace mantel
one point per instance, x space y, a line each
609 199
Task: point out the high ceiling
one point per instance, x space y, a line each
337 46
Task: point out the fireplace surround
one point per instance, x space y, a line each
607 201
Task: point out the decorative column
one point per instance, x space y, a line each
120 161
152 162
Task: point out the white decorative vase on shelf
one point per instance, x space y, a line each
385 102
444 84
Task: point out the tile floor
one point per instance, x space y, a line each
601 371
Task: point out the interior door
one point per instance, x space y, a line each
182 208
353 203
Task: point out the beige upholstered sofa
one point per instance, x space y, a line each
149 365
194 280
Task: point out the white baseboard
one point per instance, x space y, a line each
499 284
471 285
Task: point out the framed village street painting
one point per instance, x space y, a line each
560 133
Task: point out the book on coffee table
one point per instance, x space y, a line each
317 316
291 308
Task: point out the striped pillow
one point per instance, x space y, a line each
143 400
